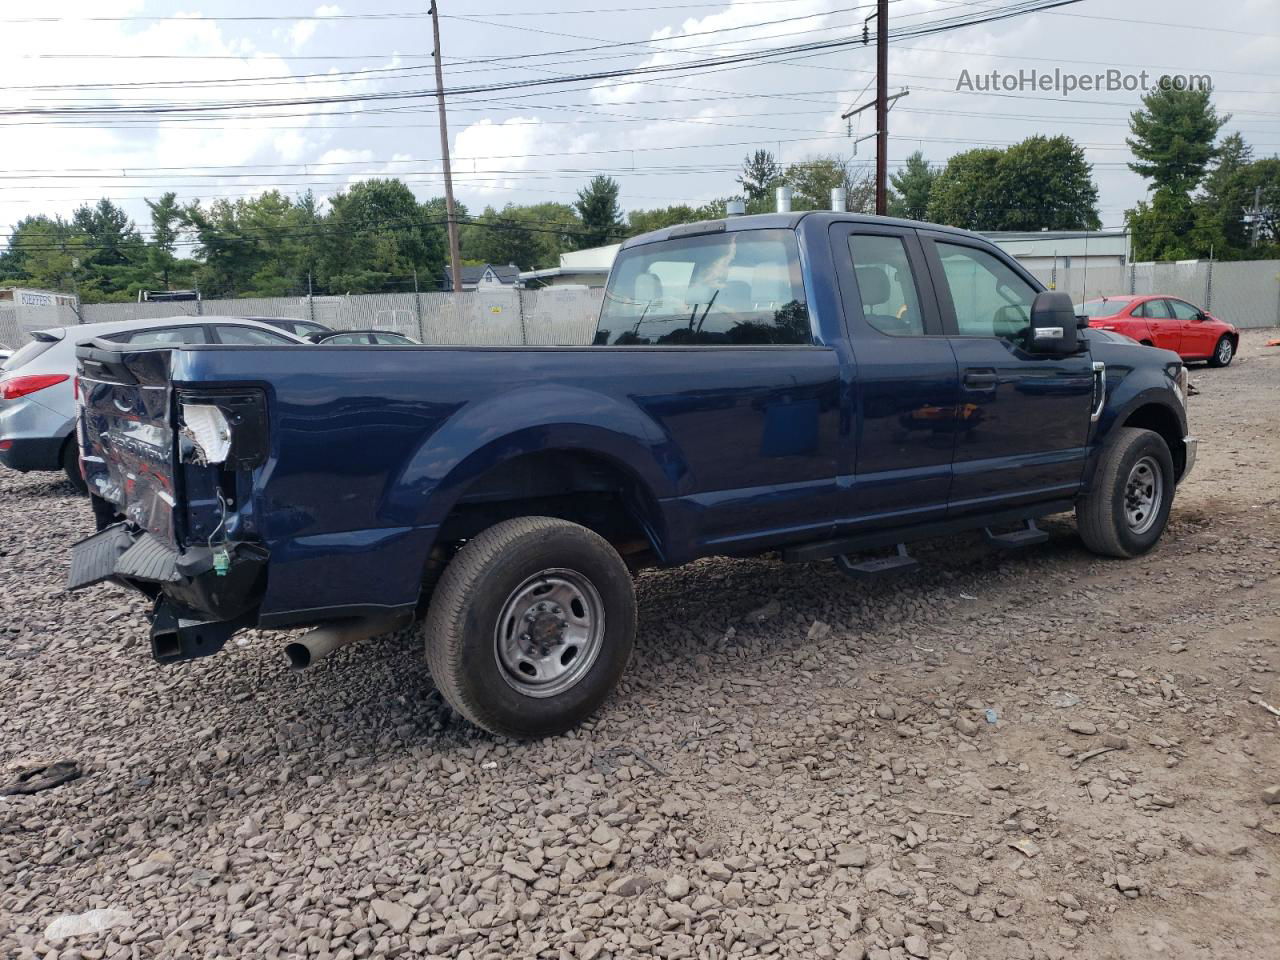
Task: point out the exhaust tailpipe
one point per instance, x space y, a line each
314 645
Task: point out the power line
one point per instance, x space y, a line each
390 15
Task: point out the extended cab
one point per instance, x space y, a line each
829 386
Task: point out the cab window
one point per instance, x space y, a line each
990 299
724 289
886 285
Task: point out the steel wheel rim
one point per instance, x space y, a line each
1143 493
1224 351
549 632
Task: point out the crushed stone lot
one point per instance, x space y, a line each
1036 754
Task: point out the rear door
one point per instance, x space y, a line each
1023 420
905 390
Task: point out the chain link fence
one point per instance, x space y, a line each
547 317
1245 292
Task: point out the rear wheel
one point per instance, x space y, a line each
530 626
71 465
1223 352
1128 508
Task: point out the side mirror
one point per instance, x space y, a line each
1054 325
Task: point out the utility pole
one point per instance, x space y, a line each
1253 216
882 105
451 213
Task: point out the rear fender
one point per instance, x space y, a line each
552 417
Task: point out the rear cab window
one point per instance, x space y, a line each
735 288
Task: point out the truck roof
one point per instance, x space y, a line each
786 221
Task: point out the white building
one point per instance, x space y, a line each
579 268
1065 249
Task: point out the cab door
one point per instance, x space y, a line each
1022 427
1194 338
905 389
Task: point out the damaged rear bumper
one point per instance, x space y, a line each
197 607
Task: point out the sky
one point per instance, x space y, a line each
97 96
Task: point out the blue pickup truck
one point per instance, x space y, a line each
828 386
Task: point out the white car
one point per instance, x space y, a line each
37 399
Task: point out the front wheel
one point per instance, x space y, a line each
530 626
1223 353
1128 508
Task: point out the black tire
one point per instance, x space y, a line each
1101 516
1224 351
71 465
487 575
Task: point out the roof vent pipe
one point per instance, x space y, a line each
784 199
735 208
838 202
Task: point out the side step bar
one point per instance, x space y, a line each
893 564
880 539
1026 536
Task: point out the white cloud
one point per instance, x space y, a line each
304 30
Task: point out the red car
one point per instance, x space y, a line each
1167 322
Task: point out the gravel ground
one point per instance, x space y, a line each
796 765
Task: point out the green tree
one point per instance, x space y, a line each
1173 137
376 236
1173 144
530 236
760 175
643 221
812 181
1041 183
965 193
912 185
46 252
597 205
1045 182
1228 190
166 222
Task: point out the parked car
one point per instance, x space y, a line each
37 390
1168 322
299 328
830 386
362 338
6 352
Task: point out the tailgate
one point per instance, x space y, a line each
126 431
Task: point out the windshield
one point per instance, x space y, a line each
723 288
1100 308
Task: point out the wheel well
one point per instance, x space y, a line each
1160 419
580 487
1146 343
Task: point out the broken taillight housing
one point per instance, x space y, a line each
225 428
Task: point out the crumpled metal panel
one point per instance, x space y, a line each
127 442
